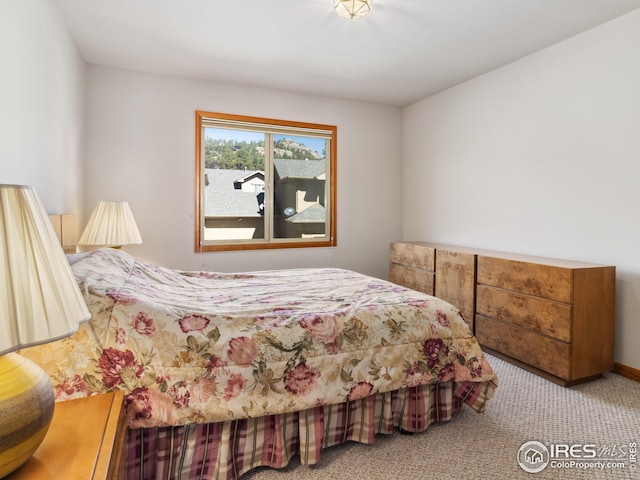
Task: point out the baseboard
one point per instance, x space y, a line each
624 371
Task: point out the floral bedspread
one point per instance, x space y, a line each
196 347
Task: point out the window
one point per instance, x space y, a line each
264 183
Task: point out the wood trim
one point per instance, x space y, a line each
197 234
626 371
110 454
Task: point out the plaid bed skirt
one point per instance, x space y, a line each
226 450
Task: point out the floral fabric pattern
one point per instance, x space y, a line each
198 347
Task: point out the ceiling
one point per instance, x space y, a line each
401 52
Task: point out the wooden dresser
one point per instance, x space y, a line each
553 317
412 264
445 271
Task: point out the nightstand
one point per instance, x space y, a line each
85 441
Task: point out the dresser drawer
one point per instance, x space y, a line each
532 313
456 281
414 278
546 281
413 255
539 351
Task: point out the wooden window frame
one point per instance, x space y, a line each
330 239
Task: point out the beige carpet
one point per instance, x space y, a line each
604 413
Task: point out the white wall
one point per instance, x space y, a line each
41 104
540 157
140 147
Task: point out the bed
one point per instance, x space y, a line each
225 372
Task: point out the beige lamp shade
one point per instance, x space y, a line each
39 298
111 224
352 8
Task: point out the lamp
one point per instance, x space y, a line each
352 8
111 224
39 302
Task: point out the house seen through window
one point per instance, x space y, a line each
264 183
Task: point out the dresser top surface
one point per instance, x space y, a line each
508 255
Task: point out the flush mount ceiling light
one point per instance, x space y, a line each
352 8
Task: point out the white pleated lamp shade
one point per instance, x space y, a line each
39 298
112 225
352 8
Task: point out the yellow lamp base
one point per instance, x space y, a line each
26 407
